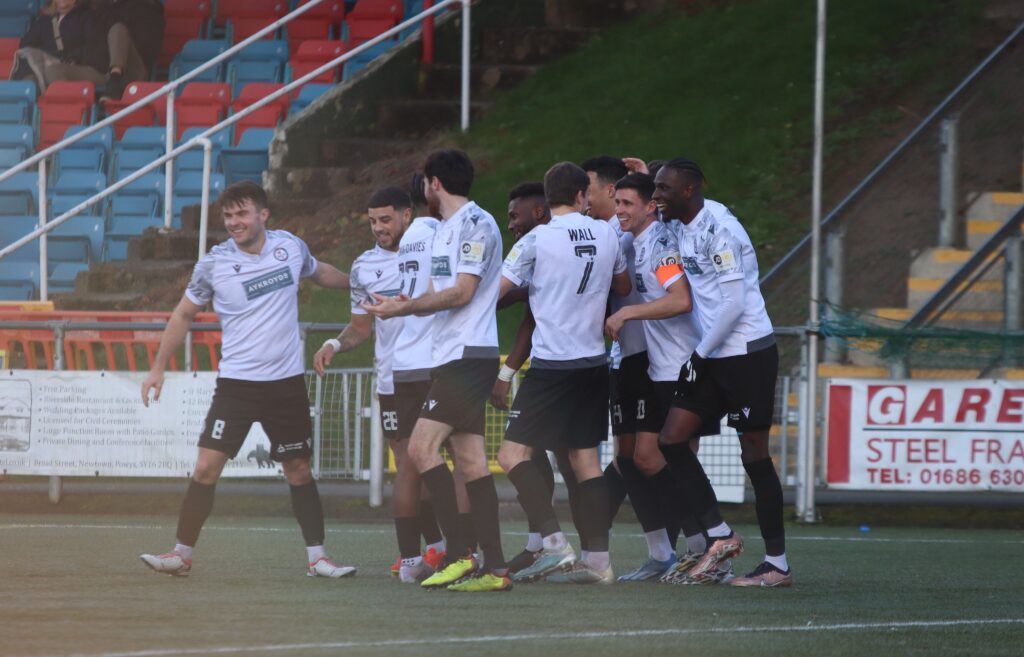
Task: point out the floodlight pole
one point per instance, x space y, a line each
809 513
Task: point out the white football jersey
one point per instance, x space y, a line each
631 338
568 264
256 299
715 249
670 341
413 357
376 271
468 242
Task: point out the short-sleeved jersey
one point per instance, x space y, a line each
716 249
568 264
415 344
256 298
376 272
631 338
670 341
468 242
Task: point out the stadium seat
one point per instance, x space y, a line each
249 159
19 194
120 231
19 270
8 46
192 159
64 104
192 116
377 10
243 18
311 55
17 142
139 146
303 29
184 20
62 276
188 190
263 61
80 238
90 154
194 54
268 116
14 25
17 102
359 31
133 209
362 60
333 10
215 94
153 113
307 94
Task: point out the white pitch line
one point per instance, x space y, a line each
511 638
850 539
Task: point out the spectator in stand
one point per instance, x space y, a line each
127 41
56 38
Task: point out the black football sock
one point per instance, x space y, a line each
441 484
616 490
195 509
309 512
483 505
594 513
641 495
696 486
468 533
407 530
428 523
572 487
540 459
768 505
534 498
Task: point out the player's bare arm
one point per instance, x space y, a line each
516 357
356 333
172 338
676 301
621 284
514 296
456 296
330 276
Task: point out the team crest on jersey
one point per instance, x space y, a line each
691 266
281 253
275 280
440 266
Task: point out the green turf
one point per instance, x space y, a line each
72 587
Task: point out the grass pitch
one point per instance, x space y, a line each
74 586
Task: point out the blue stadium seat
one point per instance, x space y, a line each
363 59
192 159
19 270
18 102
249 159
133 209
19 194
262 61
14 25
90 154
79 239
62 276
121 229
307 94
196 53
139 146
17 143
188 190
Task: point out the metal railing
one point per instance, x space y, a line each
202 139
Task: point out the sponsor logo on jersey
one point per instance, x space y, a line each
691 266
275 280
379 272
513 256
440 266
281 253
724 260
237 268
472 252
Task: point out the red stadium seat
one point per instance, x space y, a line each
268 116
155 113
216 94
311 55
7 48
268 10
196 116
304 29
361 31
183 20
378 10
333 10
63 105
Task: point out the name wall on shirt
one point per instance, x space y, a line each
94 424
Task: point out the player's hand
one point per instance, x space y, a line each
499 394
322 358
387 307
613 325
696 368
635 165
155 381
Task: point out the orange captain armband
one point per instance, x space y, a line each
668 271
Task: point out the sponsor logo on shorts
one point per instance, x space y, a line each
746 412
431 404
284 448
275 280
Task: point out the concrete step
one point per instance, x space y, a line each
987 213
414 118
943 262
984 295
178 245
305 183
136 277
531 46
98 300
445 80
356 153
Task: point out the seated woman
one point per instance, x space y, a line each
57 38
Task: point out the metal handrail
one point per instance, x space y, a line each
949 293
896 152
203 137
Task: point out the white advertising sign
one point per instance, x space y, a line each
94 424
926 435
